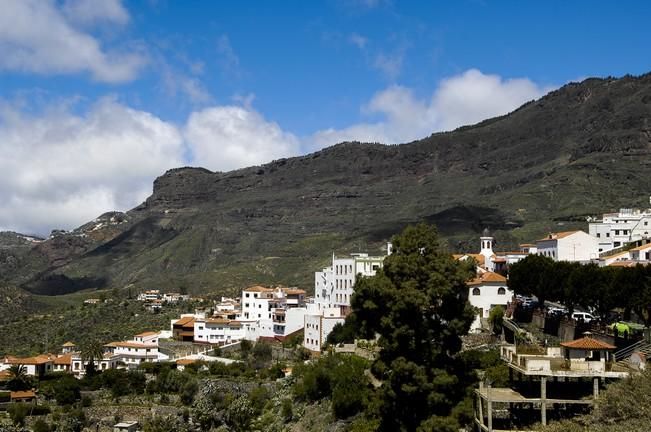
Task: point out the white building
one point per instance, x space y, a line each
641 253
486 291
149 295
333 289
142 349
33 366
218 331
616 229
271 313
319 325
175 297
575 246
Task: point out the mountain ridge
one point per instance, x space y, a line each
580 150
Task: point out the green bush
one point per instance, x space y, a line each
287 410
338 377
18 412
496 318
188 392
66 391
41 425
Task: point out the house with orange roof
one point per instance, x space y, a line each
36 366
486 291
68 347
573 246
183 328
63 363
569 376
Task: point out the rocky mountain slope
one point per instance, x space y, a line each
580 150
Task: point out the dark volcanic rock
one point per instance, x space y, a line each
580 150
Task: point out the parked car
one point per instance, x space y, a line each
556 311
585 316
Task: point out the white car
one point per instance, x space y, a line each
585 316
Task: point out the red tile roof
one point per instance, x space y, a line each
147 333
27 394
65 359
559 235
588 343
185 322
258 288
488 277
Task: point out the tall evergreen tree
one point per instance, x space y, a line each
417 304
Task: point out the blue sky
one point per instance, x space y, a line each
98 97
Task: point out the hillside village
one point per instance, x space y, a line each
585 352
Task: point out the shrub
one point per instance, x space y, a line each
18 412
66 390
495 318
41 425
287 410
188 392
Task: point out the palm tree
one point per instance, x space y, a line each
19 378
90 352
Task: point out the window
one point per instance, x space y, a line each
501 291
598 235
476 291
607 234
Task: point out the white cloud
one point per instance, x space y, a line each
89 12
389 64
358 40
473 96
36 36
61 169
460 100
176 83
228 59
229 137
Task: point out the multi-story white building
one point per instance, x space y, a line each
333 289
575 246
616 229
271 313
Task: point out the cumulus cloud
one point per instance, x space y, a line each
61 170
37 36
460 100
229 137
88 12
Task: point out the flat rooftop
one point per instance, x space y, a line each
508 395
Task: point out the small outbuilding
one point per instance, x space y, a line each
126 426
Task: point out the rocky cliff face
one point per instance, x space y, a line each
580 150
